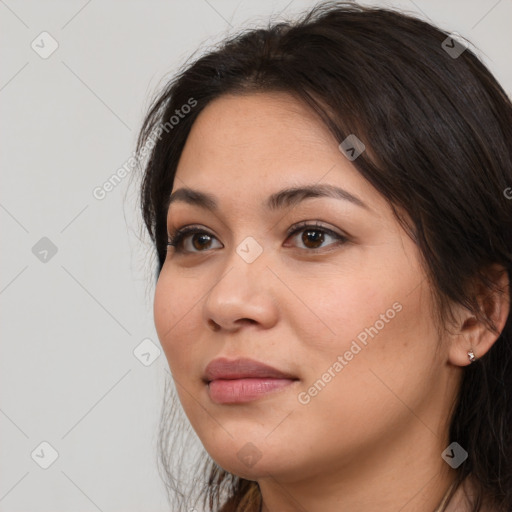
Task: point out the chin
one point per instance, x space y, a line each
249 470
253 459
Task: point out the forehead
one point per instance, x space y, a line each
255 134
254 130
249 146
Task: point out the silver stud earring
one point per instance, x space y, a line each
472 357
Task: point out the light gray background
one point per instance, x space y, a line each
70 324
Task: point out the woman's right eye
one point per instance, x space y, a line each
179 238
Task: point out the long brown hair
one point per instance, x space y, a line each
438 133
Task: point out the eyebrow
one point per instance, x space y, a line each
285 198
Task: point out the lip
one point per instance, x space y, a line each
231 381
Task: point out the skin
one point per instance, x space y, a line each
372 438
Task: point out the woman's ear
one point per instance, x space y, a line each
473 335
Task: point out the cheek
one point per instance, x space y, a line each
363 325
357 392
384 347
336 308
175 320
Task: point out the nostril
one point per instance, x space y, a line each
215 327
249 321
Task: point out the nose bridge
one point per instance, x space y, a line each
242 291
246 269
249 250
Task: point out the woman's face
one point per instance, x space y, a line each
341 310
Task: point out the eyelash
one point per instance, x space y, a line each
176 238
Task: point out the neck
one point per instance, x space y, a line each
406 476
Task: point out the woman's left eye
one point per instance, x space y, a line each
312 239
314 235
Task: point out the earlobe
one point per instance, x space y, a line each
474 338
465 348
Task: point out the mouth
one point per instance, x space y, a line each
243 380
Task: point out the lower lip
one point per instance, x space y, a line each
239 391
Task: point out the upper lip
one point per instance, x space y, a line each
243 368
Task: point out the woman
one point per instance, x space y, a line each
328 203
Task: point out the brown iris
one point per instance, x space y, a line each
314 236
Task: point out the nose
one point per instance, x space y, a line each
242 295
